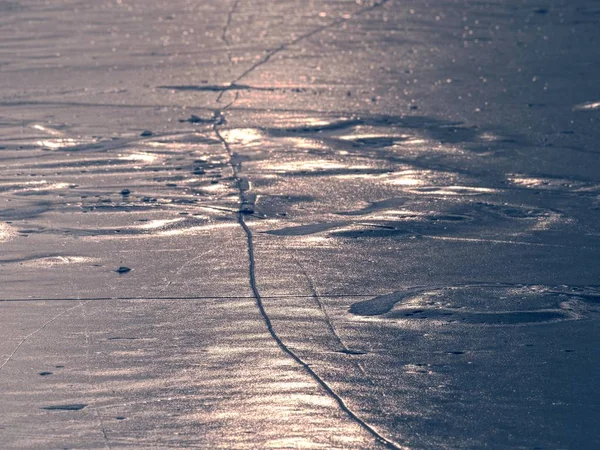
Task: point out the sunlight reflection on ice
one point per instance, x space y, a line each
488 137
356 136
51 261
314 165
32 186
403 178
305 143
56 144
142 156
453 190
50 131
248 137
291 122
6 232
587 106
152 224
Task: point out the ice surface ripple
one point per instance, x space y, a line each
483 304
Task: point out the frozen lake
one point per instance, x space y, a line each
299 224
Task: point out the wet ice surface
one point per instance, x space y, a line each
346 224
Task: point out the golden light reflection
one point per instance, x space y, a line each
312 166
56 144
32 186
169 145
50 131
49 186
390 214
554 183
413 141
405 178
587 106
289 399
217 187
305 143
140 156
307 121
6 232
488 137
294 442
51 261
527 181
248 137
313 242
358 136
156 229
189 231
153 224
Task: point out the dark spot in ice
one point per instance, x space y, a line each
376 142
60 367
217 88
123 269
120 418
146 133
45 374
118 338
448 218
71 407
125 192
378 305
541 11
349 351
482 318
196 119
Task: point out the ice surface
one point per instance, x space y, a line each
353 224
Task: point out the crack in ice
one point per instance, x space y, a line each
265 316
33 333
270 53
